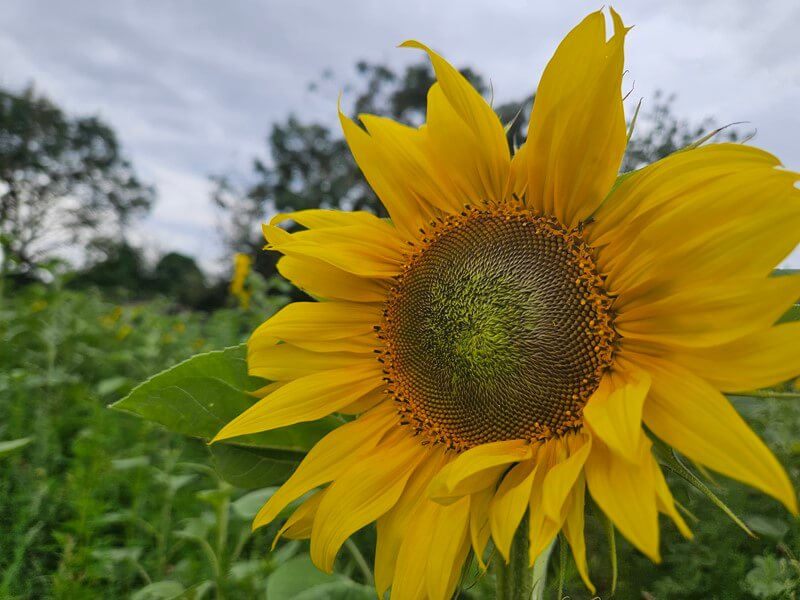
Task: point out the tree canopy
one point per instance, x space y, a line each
63 180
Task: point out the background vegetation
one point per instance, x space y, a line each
100 503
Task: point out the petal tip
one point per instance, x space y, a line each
413 44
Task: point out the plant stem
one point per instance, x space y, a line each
540 571
360 561
612 550
770 394
514 578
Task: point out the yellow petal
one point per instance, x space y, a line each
626 494
648 193
573 531
283 362
326 282
510 503
404 207
298 526
476 469
542 528
614 412
561 478
366 402
364 250
365 491
493 153
328 459
479 528
518 174
306 399
577 132
319 326
412 559
709 315
690 415
457 153
319 218
653 264
414 164
393 526
758 360
449 551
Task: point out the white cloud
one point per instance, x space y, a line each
191 87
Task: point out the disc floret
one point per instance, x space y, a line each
497 328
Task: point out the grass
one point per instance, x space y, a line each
97 503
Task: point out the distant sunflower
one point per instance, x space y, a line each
238 287
505 337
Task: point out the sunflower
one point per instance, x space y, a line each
522 328
238 288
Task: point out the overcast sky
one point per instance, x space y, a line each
191 86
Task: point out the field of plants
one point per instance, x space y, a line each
99 503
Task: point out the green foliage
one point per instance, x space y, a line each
120 269
12 446
96 503
299 579
198 396
774 578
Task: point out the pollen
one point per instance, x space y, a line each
498 328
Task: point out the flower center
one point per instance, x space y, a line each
498 328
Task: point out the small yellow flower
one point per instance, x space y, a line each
520 328
124 331
38 306
111 318
242 263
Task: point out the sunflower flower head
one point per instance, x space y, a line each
522 329
238 288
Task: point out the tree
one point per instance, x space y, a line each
659 133
179 277
117 265
63 180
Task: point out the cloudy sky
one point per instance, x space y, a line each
191 86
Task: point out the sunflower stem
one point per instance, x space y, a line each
516 579
540 571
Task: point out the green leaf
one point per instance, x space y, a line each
770 578
774 529
160 590
338 590
123 464
117 555
252 468
670 461
248 505
110 385
198 396
196 592
12 446
298 576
